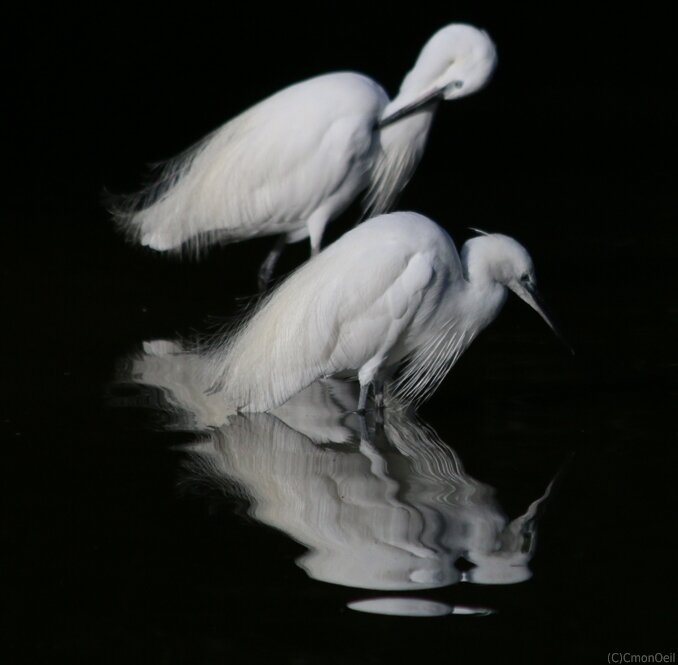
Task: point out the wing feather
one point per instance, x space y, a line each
329 316
264 172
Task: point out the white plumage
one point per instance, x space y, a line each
296 160
391 294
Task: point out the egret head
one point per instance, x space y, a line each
505 261
457 61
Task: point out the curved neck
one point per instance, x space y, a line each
484 296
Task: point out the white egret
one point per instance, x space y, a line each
391 300
295 161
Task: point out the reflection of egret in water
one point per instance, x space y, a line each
391 511
394 513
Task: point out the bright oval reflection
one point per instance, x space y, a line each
404 607
414 607
472 611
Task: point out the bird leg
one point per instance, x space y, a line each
266 269
362 400
378 385
371 436
364 428
379 418
316 227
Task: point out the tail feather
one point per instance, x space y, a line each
158 215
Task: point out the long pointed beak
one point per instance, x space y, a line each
531 296
428 98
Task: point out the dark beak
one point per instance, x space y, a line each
530 295
416 105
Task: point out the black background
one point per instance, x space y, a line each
571 149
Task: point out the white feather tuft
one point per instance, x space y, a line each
428 365
401 147
184 209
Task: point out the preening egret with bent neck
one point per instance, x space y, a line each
296 160
390 301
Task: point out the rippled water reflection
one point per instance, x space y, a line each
379 504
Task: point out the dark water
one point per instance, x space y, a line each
120 545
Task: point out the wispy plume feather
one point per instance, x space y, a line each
428 365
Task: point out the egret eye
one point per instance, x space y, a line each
525 278
458 84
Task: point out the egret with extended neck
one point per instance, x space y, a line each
391 302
